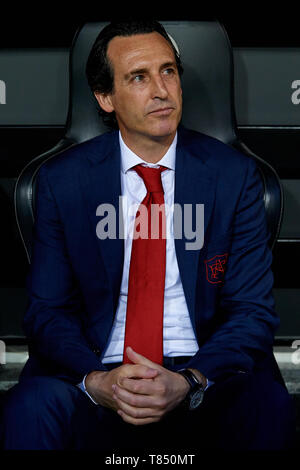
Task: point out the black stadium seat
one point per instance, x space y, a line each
208 98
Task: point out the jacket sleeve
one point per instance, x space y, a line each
247 320
53 320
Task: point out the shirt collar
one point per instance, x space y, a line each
130 159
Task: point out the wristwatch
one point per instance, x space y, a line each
196 393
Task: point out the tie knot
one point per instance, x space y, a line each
151 177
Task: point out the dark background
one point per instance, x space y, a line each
53 24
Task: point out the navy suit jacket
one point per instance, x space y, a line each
74 280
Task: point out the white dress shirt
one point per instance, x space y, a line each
178 334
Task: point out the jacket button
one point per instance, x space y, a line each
97 352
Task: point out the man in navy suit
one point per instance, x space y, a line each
218 385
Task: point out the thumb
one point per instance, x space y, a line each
137 358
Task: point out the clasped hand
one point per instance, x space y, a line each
142 392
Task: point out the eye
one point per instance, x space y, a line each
169 71
138 78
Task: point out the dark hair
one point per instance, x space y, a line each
99 70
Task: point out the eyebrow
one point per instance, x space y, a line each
145 70
135 72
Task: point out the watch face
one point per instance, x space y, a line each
196 398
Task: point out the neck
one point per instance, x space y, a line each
150 150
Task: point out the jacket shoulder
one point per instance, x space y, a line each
213 151
77 155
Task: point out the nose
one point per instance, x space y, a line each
159 88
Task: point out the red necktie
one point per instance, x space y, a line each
146 286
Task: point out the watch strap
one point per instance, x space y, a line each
190 378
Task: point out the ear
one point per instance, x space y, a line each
105 101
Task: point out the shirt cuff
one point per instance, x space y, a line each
82 387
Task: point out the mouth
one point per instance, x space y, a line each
162 111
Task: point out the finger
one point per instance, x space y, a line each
135 421
136 413
137 358
136 400
140 386
138 371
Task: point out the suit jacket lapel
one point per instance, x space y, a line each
195 183
101 184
